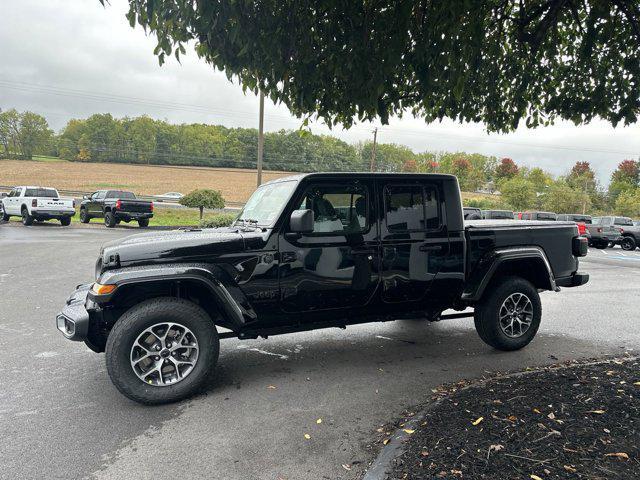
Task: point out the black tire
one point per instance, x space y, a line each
143 222
110 220
628 243
65 221
84 216
5 217
487 313
26 218
601 245
144 315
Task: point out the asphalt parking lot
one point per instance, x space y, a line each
60 417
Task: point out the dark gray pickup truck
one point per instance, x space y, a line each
314 251
116 206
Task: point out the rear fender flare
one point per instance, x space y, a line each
492 262
233 304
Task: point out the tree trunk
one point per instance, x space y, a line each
201 212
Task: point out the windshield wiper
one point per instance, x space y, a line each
248 222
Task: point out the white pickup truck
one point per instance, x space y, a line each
37 204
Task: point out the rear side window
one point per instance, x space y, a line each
41 193
624 221
411 208
121 194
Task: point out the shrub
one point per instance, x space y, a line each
202 199
219 220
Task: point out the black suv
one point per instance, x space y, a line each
307 252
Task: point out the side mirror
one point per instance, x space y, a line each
301 221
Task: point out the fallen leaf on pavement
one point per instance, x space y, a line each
408 430
599 412
272 387
569 469
319 421
618 455
535 477
477 421
346 467
385 441
307 436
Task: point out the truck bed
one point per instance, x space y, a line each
554 238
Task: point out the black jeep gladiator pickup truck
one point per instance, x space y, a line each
307 252
115 206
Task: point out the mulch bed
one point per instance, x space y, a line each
572 421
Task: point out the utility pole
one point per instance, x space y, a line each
260 138
372 166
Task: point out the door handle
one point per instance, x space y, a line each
427 247
364 251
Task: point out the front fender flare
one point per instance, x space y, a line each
491 262
234 305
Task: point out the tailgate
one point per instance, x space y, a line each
55 203
135 206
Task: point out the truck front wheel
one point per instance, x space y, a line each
162 350
508 317
65 221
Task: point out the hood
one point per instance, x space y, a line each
174 245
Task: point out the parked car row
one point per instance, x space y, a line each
36 204
601 232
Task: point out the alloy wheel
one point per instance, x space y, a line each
164 354
516 315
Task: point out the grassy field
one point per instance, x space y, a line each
235 184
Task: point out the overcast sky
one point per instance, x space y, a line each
73 58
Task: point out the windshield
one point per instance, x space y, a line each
267 202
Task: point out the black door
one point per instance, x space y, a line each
415 243
96 201
336 266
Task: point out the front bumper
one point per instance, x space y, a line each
574 280
73 320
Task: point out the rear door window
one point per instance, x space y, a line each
411 208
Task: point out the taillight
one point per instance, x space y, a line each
582 229
34 202
118 204
152 206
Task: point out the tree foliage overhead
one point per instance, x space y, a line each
495 61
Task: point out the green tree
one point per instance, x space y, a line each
561 198
495 62
10 132
628 203
203 199
519 192
540 179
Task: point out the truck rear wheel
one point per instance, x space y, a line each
110 220
143 222
162 350
628 243
26 218
508 317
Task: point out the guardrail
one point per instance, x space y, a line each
152 198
